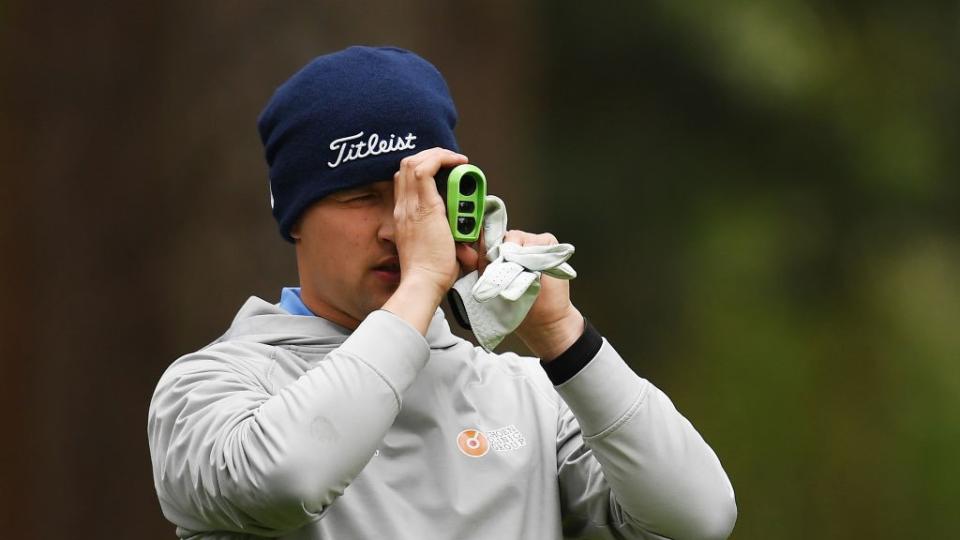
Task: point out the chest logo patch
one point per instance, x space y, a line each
473 443
476 443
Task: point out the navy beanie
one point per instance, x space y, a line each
347 119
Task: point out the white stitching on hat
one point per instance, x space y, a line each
374 146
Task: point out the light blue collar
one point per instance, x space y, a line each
438 333
291 302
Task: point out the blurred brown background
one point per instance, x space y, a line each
763 196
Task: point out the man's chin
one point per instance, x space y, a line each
383 294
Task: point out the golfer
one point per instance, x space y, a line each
348 410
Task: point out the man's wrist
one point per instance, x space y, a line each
549 341
415 301
571 361
423 287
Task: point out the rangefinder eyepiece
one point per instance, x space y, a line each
468 184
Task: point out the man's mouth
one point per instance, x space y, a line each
388 269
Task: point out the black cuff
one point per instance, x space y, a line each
572 360
458 309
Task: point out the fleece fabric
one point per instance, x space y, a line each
293 427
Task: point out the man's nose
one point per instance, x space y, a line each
387 228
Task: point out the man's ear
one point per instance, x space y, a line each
295 230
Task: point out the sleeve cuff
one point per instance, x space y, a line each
575 358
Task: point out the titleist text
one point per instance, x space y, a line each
348 150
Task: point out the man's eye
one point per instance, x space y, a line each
360 198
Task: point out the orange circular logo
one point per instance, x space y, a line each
473 443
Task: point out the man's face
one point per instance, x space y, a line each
343 242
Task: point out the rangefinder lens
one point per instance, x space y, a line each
465 224
465 206
468 184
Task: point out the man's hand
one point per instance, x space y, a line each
425 246
553 324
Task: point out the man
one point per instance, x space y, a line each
349 409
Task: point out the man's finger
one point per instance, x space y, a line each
426 170
543 239
399 191
407 186
468 258
523 238
515 236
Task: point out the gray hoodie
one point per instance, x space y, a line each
294 427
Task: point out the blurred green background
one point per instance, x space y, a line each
763 196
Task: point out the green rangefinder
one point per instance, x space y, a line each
463 189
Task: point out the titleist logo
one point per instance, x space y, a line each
348 150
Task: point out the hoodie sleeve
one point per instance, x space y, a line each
630 465
229 455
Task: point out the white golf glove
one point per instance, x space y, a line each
498 301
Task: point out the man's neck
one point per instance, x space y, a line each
328 312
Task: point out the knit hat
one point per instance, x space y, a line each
347 119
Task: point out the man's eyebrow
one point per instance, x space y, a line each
358 189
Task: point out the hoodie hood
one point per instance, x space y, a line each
262 322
